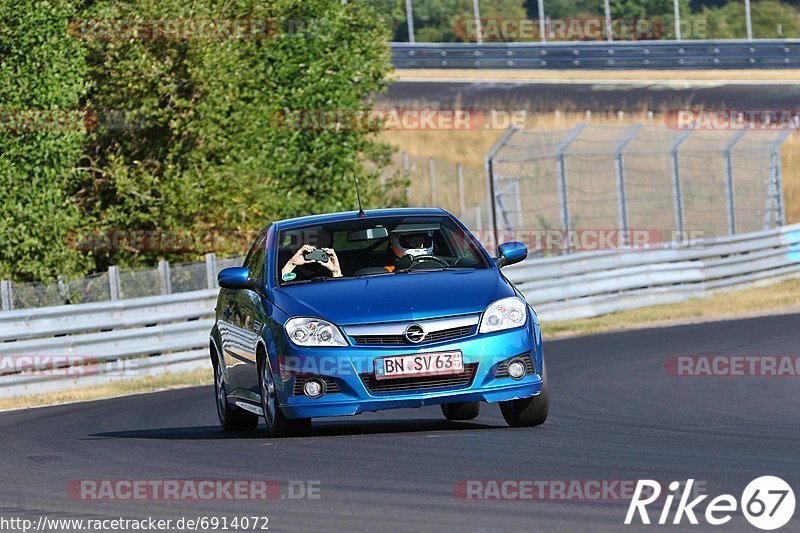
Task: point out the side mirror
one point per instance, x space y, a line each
511 253
235 278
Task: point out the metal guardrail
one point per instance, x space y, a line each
720 54
146 336
593 283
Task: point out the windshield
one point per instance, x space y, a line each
375 246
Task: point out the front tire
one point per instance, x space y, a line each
231 418
278 425
461 410
528 412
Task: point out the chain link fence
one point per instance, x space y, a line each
664 181
117 284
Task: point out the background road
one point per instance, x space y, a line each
595 96
616 414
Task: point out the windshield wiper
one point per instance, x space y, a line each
437 269
310 280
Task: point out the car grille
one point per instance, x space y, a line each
420 383
331 386
434 336
502 368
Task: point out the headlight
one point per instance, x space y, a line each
313 332
504 314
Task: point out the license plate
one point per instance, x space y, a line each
422 364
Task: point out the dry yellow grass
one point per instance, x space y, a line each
605 75
469 147
120 388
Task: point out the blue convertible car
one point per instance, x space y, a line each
343 313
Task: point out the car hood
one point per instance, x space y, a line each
395 297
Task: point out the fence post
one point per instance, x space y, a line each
677 192
478 217
518 203
775 190
488 165
432 175
6 301
561 170
462 202
406 174
622 203
729 180
164 274
211 270
113 282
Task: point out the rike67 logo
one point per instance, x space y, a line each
767 503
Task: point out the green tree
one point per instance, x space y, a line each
728 21
442 20
212 152
41 130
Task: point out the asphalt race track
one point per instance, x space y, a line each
616 414
619 96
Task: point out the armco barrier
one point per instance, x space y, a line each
720 54
146 336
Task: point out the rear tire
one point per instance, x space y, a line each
528 412
461 410
231 418
278 425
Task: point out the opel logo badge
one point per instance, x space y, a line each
414 333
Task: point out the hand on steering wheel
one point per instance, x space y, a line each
426 259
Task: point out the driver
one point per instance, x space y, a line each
408 246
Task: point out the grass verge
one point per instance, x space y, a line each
174 380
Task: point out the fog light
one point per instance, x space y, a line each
314 388
516 369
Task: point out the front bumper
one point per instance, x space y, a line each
346 365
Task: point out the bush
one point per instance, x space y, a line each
42 78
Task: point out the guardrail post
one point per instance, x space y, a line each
462 202
164 274
622 203
113 282
6 301
432 175
211 270
729 180
677 192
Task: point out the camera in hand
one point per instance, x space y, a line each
317 255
